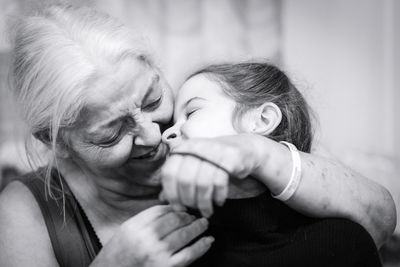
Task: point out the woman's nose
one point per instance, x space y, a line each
150 136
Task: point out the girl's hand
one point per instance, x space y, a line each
189 179
156 237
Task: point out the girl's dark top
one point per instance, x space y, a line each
262 231
258 231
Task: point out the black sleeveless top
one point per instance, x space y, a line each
253 232
74 241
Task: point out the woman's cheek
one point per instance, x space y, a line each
117 155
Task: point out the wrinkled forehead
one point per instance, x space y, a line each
111 84
119 90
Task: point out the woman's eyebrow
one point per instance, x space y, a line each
155 79
112 123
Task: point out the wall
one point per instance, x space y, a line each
342 53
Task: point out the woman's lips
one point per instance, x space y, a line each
149 154
154 154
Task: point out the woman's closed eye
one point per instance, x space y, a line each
109 141
153 105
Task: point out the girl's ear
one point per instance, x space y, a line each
264 119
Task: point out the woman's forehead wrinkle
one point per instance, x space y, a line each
121 96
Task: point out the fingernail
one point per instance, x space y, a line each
177 207
203 221
221 202
209 240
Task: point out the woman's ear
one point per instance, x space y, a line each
264 119
61 149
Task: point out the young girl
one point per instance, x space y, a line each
254 227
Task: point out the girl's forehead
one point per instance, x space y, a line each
198 86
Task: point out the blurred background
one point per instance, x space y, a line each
343 55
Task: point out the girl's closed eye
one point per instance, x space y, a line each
191 112
192 107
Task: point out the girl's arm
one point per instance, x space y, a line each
327 188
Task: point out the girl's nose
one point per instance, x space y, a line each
171 136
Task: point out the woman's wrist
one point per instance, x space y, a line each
274 164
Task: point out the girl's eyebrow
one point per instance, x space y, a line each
193 99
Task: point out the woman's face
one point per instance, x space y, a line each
202 110
119 132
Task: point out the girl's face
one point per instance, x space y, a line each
119 132
202 109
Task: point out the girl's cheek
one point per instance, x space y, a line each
191 129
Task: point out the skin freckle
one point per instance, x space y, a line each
324 173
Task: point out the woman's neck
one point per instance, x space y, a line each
107 202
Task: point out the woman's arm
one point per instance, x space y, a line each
158 236
327 188
24 238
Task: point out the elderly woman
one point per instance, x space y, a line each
97 101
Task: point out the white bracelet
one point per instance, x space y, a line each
295 177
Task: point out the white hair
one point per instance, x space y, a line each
59 53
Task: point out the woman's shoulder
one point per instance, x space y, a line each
24 236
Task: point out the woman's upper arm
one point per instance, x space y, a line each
24 238
346 193
331 189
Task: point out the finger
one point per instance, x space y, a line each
162 196
187 255
179 238
209 171
170 222
169 173
175 207
145 217
218 156
205 187
187 181
221 188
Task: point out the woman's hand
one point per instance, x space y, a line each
156 237
194 182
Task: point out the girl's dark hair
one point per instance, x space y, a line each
253 84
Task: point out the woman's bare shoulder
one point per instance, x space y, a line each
24 237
